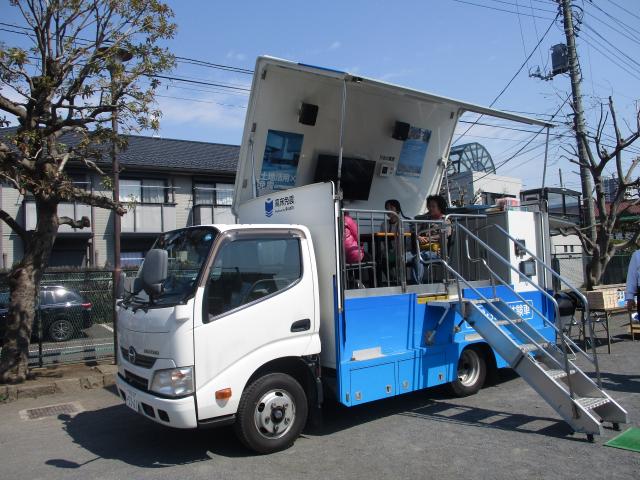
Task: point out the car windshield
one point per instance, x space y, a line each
187 251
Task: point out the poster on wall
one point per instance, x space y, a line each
280 161
413 152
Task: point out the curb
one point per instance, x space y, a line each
102 376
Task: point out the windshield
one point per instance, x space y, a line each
187 251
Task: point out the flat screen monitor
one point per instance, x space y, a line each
357 175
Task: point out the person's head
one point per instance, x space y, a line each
437 206
393 205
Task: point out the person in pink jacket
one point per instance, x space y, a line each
353 251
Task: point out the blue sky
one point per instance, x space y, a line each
442 46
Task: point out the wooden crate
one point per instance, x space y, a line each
603 299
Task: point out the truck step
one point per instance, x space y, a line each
589 403
500 323
531 347
557 374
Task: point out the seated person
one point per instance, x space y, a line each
353 251
430 238
389 247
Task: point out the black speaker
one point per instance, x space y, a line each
401 131
308 114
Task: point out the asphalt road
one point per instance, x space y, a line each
505 431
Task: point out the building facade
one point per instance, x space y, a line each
164 184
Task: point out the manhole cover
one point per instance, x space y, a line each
51 411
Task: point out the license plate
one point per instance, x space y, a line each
131 401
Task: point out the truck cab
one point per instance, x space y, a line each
234 299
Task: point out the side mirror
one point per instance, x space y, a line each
154 271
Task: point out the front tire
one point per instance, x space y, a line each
272 413
471 374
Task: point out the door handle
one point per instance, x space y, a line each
301 325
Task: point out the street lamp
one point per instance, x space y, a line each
116 59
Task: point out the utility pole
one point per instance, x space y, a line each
578 119
115 65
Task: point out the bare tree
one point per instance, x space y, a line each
67 82
605 149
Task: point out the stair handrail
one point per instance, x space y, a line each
563 337
460 278
493 274
566 338
566 366
583 299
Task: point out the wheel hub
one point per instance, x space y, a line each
274 414
468 368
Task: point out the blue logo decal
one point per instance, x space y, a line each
268 207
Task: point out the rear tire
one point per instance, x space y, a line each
61 330
272 413
471 373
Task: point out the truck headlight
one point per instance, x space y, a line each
174 382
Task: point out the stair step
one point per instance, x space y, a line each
589 403
557 373
506 322
531 347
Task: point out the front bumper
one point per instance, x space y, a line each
177 413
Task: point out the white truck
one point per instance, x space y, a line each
258 322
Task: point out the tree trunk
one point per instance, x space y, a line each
24 281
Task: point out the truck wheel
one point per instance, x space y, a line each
272 413
61 330
472 371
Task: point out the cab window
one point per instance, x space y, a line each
246 270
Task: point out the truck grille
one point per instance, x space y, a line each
136 381
143 361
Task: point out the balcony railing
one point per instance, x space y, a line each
72 210
149 218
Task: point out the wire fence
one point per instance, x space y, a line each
573 266
73 320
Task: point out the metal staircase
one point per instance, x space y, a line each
548 367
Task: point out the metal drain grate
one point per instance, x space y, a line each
51 411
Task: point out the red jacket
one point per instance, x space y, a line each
353 250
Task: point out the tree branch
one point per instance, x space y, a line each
22 233
12 108
97 201
82 223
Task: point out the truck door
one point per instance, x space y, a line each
258 305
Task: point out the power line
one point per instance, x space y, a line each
616 30
512 78
624 9
501 9
530 140
593 43
595 32
196 100
199 82
627 27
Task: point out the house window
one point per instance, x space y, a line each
144 191
217 194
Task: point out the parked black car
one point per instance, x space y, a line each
64 313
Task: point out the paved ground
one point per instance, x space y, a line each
92 343
506 431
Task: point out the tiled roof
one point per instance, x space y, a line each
185 155
170 154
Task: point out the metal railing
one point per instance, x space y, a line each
565 341
401 251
